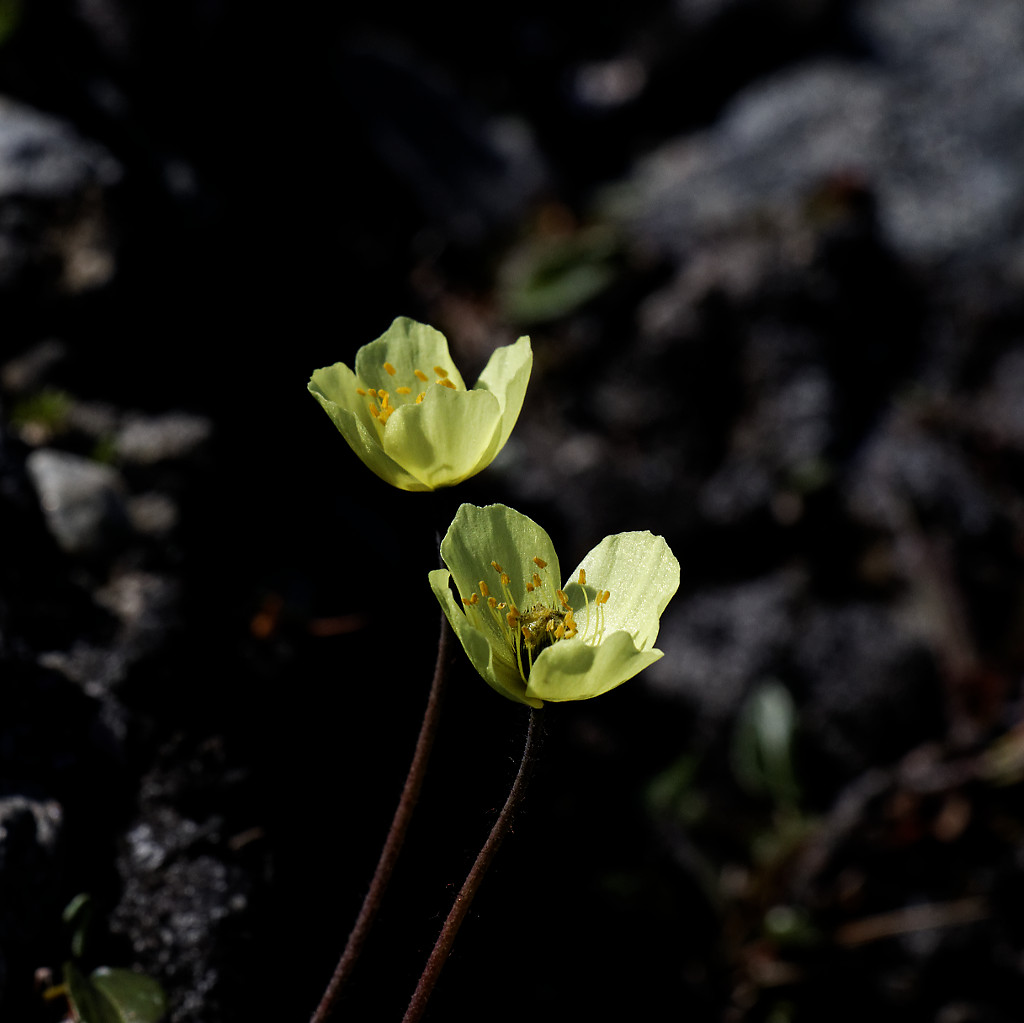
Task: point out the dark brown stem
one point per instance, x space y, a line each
396 835
463 900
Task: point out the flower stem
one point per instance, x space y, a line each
446 938
396 834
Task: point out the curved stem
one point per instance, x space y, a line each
463 900
396 835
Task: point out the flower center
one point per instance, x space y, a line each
383 403
548 620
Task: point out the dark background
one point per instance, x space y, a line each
770 255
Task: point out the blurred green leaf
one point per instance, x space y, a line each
762 744
113 996
78 915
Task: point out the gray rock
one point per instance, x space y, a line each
932 126
29 834
54 229
149 439
83 501
720 641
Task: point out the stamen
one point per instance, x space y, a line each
492 602
530 587
540 563
420 375
374 412
441 372
484 590
470 601
389 369
448 384
360 392
496 567
372 392
563 599
583 577
420 396
404 390
505 579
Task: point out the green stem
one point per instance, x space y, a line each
446 938
396 835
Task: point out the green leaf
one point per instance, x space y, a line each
114 996
133 997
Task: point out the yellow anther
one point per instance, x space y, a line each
496 567
420 375
536 580
491 602
551 625
530 587
602 597
372 392
502 606
420 396
389 369
470 601
560 631
404 390
374 412
440 371
512 617
484 589
360 392
563 599
384 399
583 577
448 384
540 563
505 579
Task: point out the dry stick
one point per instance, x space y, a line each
463 900
396 836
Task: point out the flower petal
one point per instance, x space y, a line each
446 438
506 376
334 387
642 574
574 670
499 674
478 536
408 346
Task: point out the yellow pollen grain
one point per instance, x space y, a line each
404 390
440 371
540 562
448 384
583 577
420 375
484 589
389 369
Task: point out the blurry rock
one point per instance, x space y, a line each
29 830
83 501
720 641
54 229
149 439
873 688
470 173
931 124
